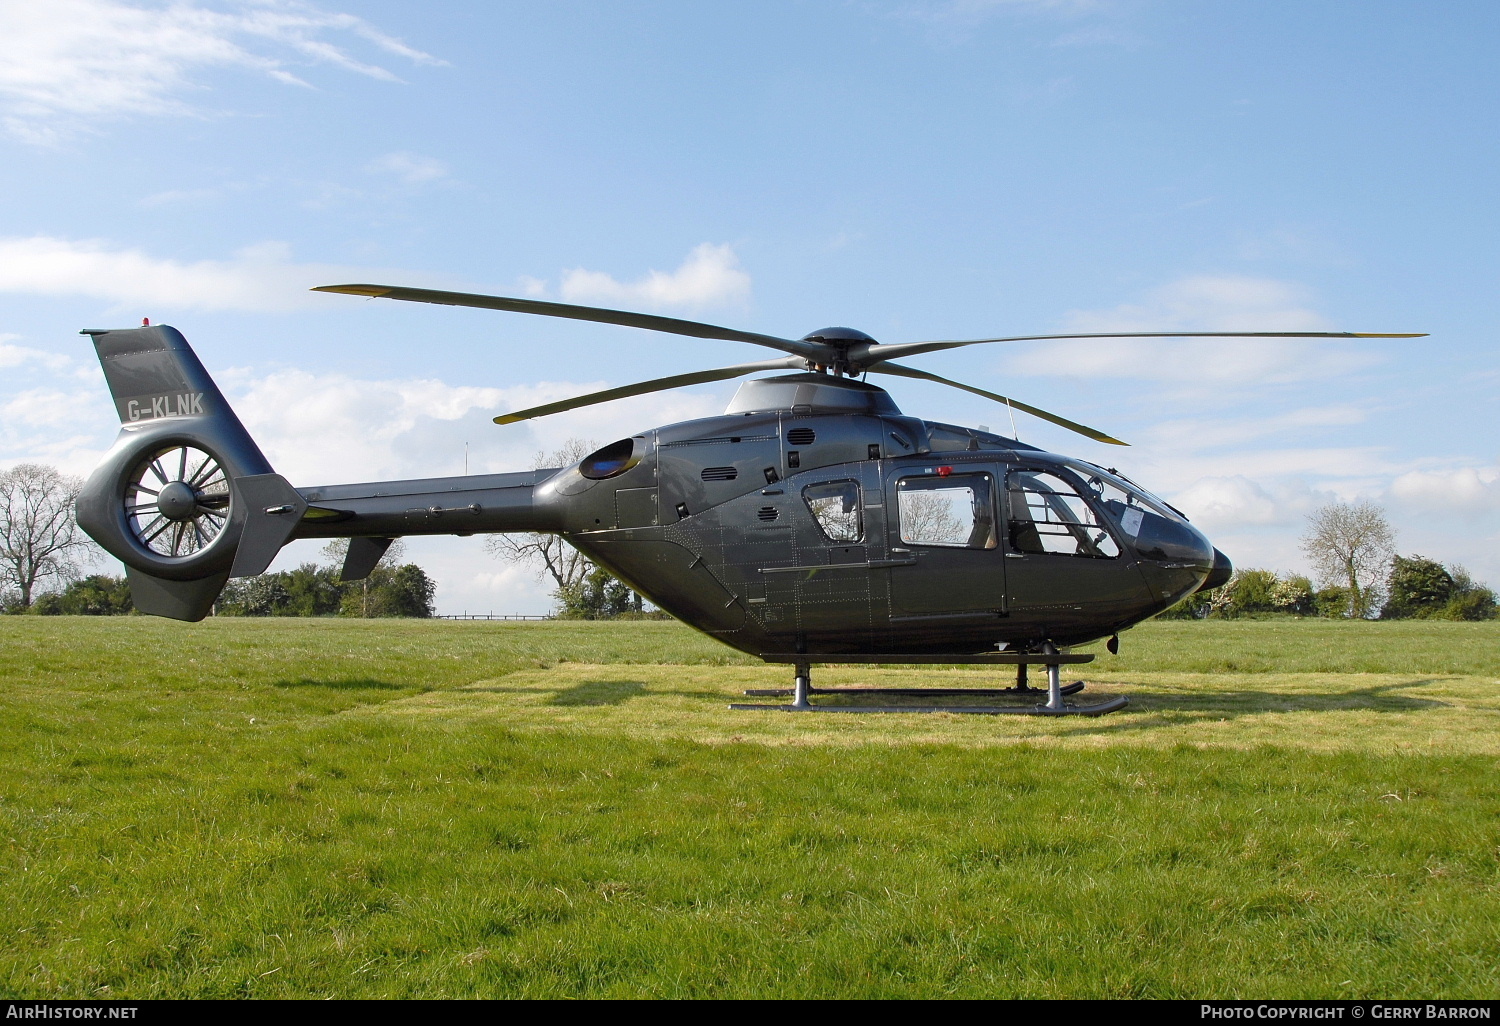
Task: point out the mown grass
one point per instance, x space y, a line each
306 808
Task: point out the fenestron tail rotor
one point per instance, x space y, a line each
177 501
837 352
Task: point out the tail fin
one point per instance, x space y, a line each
185 499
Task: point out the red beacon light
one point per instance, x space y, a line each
944 471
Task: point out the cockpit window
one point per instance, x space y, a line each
1119 493
1047 515
955 511
835 506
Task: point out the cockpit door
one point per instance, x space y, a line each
945 551
1060 554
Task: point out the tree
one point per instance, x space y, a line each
338 548
1350 545
96 595
1470 600
1427 590
1332 602
599 596
584 591
391 591
547 555
1416 587
1294 594
39 539
929 516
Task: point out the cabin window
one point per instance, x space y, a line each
955 511
1047 515
835 506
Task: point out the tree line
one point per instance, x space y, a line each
309 590
1352 548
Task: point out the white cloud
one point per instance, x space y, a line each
412 168
1238 501
13 357
73 63
1464 490
710 276
264 278
260 278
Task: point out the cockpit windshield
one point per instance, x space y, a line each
1116 490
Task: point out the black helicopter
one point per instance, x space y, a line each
813 521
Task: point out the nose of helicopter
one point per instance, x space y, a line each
1220 574
1176 558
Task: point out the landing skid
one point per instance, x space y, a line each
802 690
1016 692
1040 709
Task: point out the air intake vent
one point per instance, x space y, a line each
720 473
801 436
768 513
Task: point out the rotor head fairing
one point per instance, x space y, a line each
820 393
840 337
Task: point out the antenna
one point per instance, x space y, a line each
1011 410
466 459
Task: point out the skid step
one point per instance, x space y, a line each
1097 709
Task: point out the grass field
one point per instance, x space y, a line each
276 808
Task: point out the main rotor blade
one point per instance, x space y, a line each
816 351
867 355
654 385
911 372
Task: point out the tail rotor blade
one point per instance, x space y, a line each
654 385
911 372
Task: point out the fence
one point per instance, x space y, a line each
488 616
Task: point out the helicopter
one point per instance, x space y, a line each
813 521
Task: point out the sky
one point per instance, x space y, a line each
917 170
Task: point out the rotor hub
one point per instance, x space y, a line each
841 338
177 501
